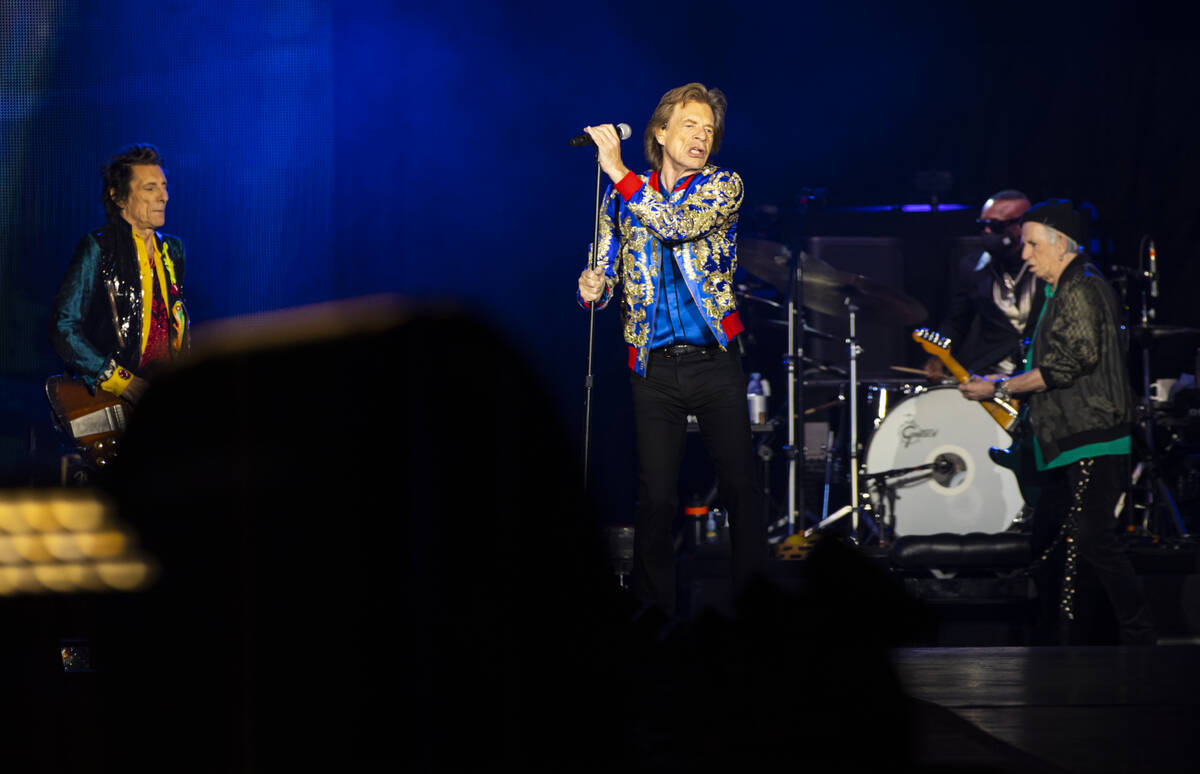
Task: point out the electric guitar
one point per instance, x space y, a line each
1004 412
93 422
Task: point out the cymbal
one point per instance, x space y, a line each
772 262
746 295
816 270
828 292
820 334
767 260
1161 331
826 288
750 297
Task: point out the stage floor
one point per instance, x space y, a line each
1085 709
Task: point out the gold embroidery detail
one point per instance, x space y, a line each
702 224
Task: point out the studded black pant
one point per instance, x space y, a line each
1094 485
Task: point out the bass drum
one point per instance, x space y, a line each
976 495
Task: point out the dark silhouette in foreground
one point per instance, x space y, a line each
399 567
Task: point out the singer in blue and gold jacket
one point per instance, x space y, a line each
698 219
669 238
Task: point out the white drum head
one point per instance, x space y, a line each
977 496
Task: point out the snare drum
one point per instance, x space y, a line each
977 496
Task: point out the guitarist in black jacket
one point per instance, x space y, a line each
1081 413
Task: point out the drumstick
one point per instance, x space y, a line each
823 406
907 370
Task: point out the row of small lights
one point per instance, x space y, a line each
67 541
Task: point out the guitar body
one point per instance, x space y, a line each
1019 457
1004 412
93 422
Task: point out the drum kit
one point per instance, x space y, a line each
928 466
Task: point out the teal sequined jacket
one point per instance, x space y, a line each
700 216
96 322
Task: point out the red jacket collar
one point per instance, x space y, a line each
679 184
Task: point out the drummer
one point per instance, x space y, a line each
993 296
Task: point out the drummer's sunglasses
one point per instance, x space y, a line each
997 225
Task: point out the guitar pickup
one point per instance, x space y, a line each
1008 407
110 419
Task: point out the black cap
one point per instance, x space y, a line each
1060 215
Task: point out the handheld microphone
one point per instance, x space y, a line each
582 140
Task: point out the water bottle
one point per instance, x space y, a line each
710 527
756 399
720 520
697 515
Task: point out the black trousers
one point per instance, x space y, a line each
712 387
1086 496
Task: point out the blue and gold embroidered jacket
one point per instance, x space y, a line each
699 219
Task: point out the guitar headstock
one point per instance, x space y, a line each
931 341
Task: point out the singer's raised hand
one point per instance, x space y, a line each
608 145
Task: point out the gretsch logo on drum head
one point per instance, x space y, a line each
911 432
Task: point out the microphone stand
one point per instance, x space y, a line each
589 379
881 482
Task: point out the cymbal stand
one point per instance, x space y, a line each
855 350
829 452
856 506
1155 483
794 450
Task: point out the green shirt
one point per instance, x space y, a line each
1116 446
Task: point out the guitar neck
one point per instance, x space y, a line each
1004 413
955 368
1004 416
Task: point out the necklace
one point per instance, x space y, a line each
1010 282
